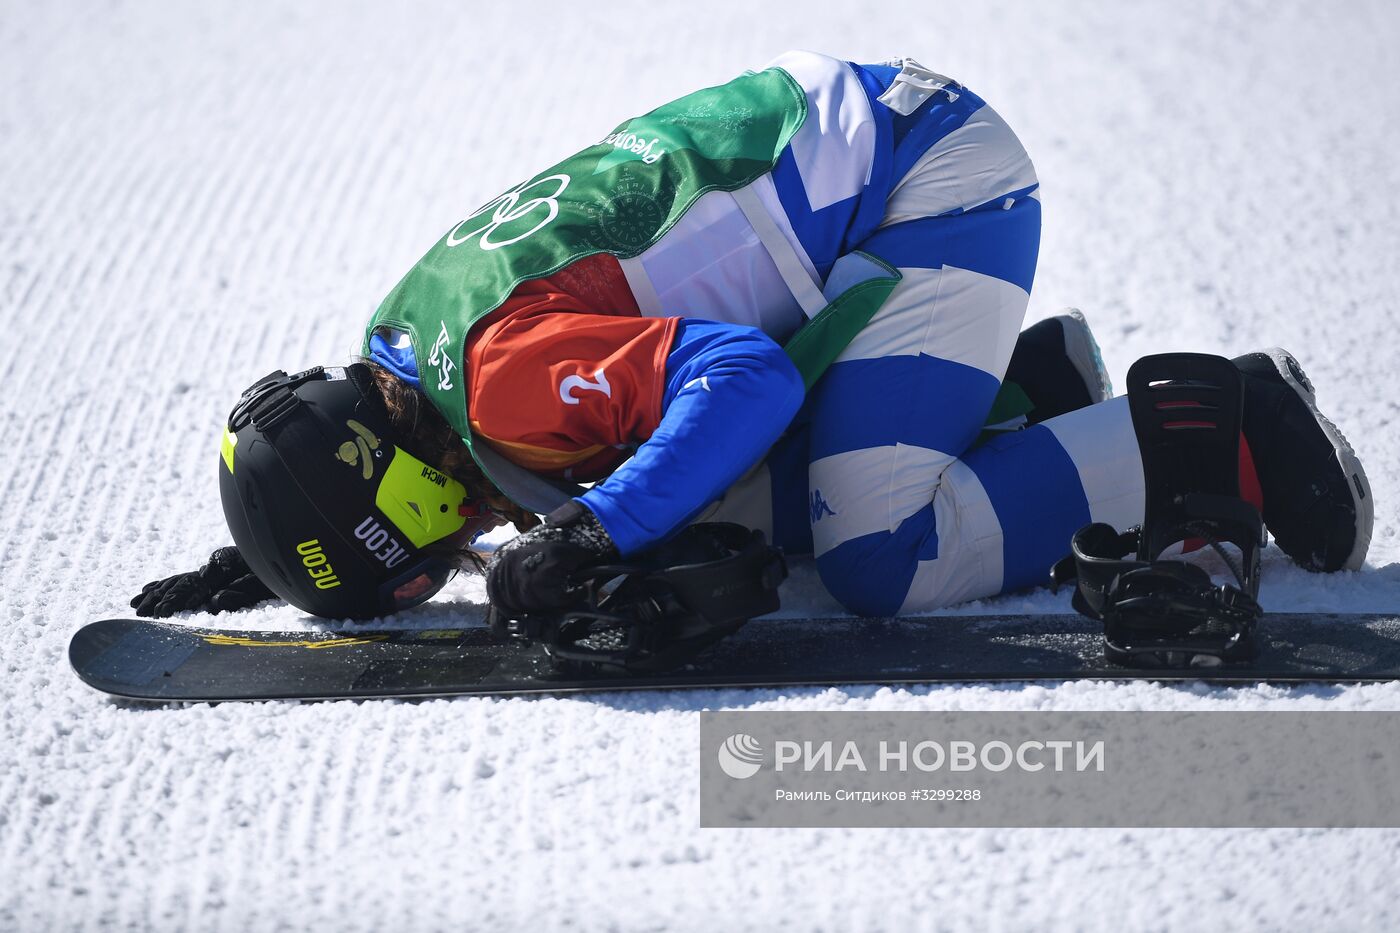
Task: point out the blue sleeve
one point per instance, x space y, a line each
730 393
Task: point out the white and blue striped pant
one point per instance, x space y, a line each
906 514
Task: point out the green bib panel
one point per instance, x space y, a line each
718 138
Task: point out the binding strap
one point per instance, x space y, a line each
1161 607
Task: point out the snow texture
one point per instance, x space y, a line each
195 194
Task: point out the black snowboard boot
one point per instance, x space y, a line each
1057 363
1317 502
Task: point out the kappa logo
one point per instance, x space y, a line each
508 208
819 508
569 383
439 358
358 452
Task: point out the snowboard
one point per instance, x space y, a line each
162 662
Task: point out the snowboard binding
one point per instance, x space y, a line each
656 612
1187 410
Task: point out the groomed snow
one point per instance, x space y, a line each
194 194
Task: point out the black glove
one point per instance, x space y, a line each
530 572
222 584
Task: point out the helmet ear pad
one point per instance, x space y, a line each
303 484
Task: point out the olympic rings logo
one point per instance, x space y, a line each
509 208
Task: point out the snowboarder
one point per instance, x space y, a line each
790 301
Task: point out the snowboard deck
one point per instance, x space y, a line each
144 660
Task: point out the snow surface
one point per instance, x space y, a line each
197 193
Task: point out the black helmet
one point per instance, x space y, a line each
325 504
